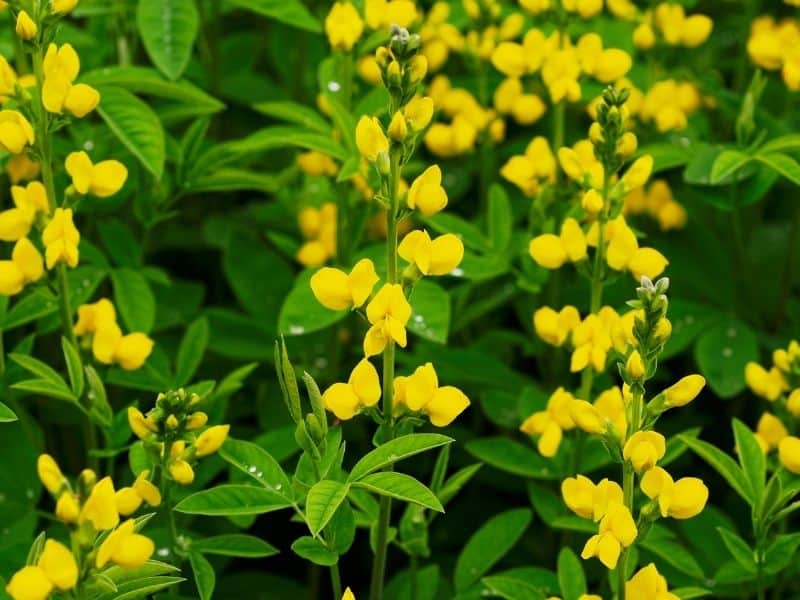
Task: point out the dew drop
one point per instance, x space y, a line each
296 329
727 352
251 469
334 86
457 272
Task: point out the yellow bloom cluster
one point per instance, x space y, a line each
780 385
97 325
89 508
775 46
169 429
318 226
59 92
658 202
668 104
669 23
531 170
344 24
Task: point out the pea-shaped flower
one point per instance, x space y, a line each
420 392
343 26
432 257
388 312
644 449
363 389
426 193
102 179
551 251
370 139
682 499
337 290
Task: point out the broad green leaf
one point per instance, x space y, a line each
291 12
469 233
488 545
191 351
400 587
322 501
48 388
570 575
688 593
302 313
294 112
151 568
665 156
141 587
340 533
783 164
135 125
395 450
134 299
6 414
234 544
698 169
508 455
739 549
37 367
430 317
230 179
751 458
123 248
722 464
168 29
660 543
511 588
780 552
312 549
232 500
784 143
501 218
722 353
74 366
726 164
257 463
204 577
402 487
239 336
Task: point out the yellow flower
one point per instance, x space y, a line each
611 405
580 164
588 500
348 595
696 30
682 499
793 403
370 139
29 583
388 312
644 37
25 266
634 366
550 423
26 27
125 547
638 173
527 109
103 179
196 420
592 340
770 431
15 132
100 508
67 508
551 251
644 449
141 426
181 471
398 128
381 14
554 327
21 168
585 8
426 193
509 58
50 474
648 584
421 392
623 251
132 351
587 417
684 391
343 26
59 565
91 316
530 170
211 440
63 7
129 499
617 530
418 112
432 257
61 67
592 201
316 163
363 388
789 453
767 384
336 290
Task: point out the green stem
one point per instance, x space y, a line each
414 569
166 505
559 115
336 582
628 482
2 355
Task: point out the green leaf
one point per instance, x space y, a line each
402 487
294 112
660 543
501 218
191 351
430 317
74 366
37 367
258 464
512 588
722 464
751 458
168 29
234 544
665 156
301 312
45 387
488 545
140 588
739 549
726 164
204 577
688 593
313 550
512 457
469 233
395 450
783 164
135 125
232 500
123 248
570 575
230 179
291 12
780 552
6 414
784 143
134 299
322 501
722 354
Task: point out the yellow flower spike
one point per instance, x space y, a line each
634 366
26 28
125 547
127 501
684 391
648 584
398 128
63 7
29 583
426 193
102 179
211 440
548 251
67 508
638 173
644 449
418 112
388 312
132 351
789 454
16 132
696 30
370 139
100 508
432 257
343 26
146 490
587 417
181 471
771 430
50 474
61 239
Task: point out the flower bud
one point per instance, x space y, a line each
398 128
596 133
211 439
26 27
196 420
627 144
634 366
684 391
50 474
592 202
182 472
417 69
